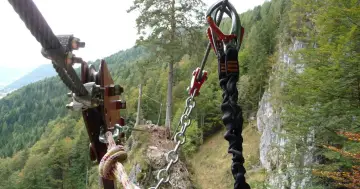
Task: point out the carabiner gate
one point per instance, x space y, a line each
219 41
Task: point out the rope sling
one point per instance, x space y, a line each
110 167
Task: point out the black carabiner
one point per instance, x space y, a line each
223 44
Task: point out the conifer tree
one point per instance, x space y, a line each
162 23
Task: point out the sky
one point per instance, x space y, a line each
104 25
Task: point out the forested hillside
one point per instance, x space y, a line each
43 145
321 95
26 112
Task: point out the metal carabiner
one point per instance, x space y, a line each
115 133
220 41
194 88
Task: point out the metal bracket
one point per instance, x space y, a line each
81 103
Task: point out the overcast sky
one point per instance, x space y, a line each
103 24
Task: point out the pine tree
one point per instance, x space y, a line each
167 21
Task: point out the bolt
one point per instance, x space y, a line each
69 106
118 90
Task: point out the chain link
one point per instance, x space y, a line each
172 156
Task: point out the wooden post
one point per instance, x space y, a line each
159 115
139 106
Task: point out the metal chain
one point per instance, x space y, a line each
172 156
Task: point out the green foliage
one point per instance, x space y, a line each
326 93
163 24
21 127
264 29
57 160
322 93
173 30
193 139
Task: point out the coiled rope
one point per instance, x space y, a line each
110 166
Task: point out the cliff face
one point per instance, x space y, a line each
283 170
268 123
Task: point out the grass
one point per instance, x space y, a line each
210 166
135 156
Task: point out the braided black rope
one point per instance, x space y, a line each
40 29
233 119
65 78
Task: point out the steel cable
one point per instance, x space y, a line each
39 28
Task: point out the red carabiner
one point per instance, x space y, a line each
216 36
221 36
196 85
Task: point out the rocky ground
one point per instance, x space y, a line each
147 150
208 168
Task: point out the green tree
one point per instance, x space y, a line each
322 91
167 21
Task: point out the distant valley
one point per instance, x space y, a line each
9 75
41 72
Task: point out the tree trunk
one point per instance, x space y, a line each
139 106
169 100
158 121
171 71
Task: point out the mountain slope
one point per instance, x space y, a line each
209 158
39 73
8 75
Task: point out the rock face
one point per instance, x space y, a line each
280 170
268 122
147 155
